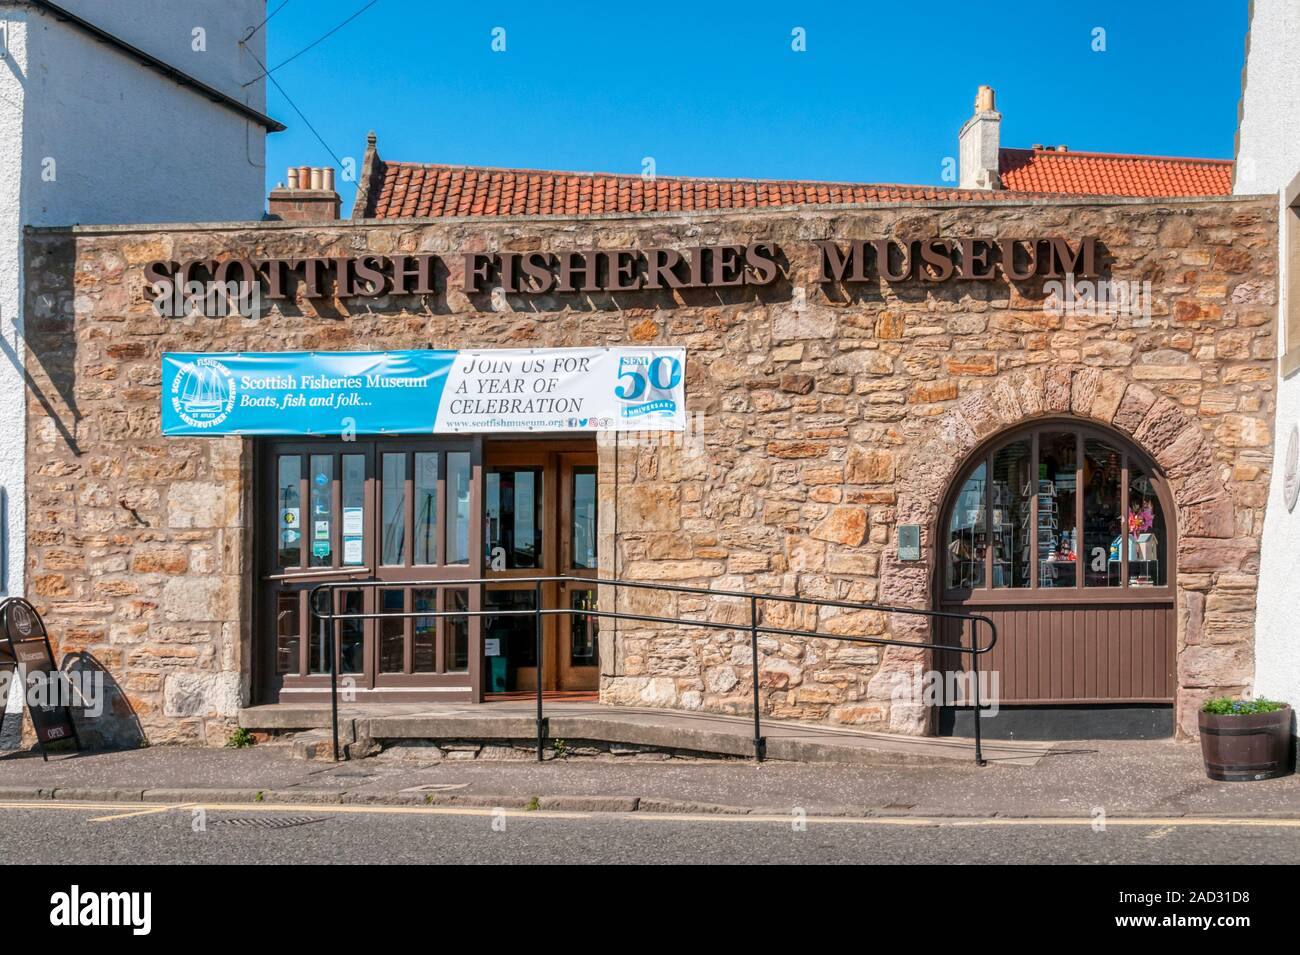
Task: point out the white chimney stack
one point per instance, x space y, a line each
978 144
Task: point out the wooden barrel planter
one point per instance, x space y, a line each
1248 746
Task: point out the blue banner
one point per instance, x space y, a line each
286 393
424 392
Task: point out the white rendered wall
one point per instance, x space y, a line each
1268 158
131 145
90 135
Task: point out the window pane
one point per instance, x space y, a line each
393 508
392 633
584 648
424 652
288 501
1102 474
514 518
351 638
1057 541
354 508
967 535
583 531
1013 489
351 633
516 636
322 510
287 634
1147 557
458 480
457 649
426 508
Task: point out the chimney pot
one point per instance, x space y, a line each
984 98
310 196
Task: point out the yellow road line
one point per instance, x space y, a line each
51 804
139 812
766 818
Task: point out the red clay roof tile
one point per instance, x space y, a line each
401 190
1112 174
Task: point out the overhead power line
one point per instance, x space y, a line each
313 43
250 33
301 115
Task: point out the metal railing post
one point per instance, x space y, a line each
334 680
537 633
760 744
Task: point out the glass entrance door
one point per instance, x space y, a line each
398 511
539 520
578 650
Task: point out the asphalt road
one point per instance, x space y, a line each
118 833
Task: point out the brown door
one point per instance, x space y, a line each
1063 535
397 511
539 520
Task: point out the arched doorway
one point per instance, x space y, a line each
1064 533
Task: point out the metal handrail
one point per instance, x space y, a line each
325 614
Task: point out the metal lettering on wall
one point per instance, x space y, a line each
632 270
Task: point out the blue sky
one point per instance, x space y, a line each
877 96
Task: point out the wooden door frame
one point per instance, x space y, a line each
269 582
989 598
565 671
549 454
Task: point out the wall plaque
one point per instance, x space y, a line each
909 541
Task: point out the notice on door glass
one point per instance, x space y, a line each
353 518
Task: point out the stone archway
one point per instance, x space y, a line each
1218 547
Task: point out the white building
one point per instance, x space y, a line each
1268 161
117 111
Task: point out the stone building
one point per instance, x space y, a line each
861 362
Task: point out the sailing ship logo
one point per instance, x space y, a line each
203 393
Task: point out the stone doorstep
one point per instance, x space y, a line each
361 732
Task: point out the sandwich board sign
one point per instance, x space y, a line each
25 647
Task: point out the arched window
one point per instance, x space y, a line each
1057 506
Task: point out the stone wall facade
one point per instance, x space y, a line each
822 417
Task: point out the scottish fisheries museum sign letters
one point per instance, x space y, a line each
425 391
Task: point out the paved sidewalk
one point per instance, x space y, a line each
1160 778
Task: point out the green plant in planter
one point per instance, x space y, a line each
1226 706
